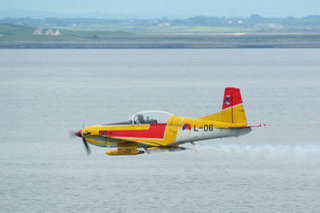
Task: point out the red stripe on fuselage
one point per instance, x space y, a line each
155 131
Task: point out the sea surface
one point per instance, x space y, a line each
45 93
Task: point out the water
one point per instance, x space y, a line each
45 93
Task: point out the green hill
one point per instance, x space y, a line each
10 29
10 32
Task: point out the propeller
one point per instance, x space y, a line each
84 140
78 133
86 146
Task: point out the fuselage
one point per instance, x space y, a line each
177 130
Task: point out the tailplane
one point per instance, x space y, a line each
232 109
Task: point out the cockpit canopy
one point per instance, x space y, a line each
150 117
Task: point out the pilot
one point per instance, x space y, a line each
140 119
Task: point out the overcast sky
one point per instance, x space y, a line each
161 8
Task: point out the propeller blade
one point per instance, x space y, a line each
86 146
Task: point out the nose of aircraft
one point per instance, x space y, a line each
78 133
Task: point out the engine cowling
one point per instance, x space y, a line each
124 152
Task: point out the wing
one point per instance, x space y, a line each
103 140
124 147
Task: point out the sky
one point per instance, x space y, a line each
157 9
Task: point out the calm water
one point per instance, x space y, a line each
45 93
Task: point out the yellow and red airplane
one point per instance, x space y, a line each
157 130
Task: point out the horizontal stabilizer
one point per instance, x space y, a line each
258 125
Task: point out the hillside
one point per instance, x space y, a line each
197 32
10 32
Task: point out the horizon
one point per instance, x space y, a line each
41 15
145 9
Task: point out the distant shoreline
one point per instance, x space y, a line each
151 45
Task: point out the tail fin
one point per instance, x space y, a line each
232 97
232 108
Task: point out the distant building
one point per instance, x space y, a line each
47 31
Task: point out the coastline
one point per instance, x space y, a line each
150 45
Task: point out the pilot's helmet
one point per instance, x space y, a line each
140 118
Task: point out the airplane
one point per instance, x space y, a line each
148 131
